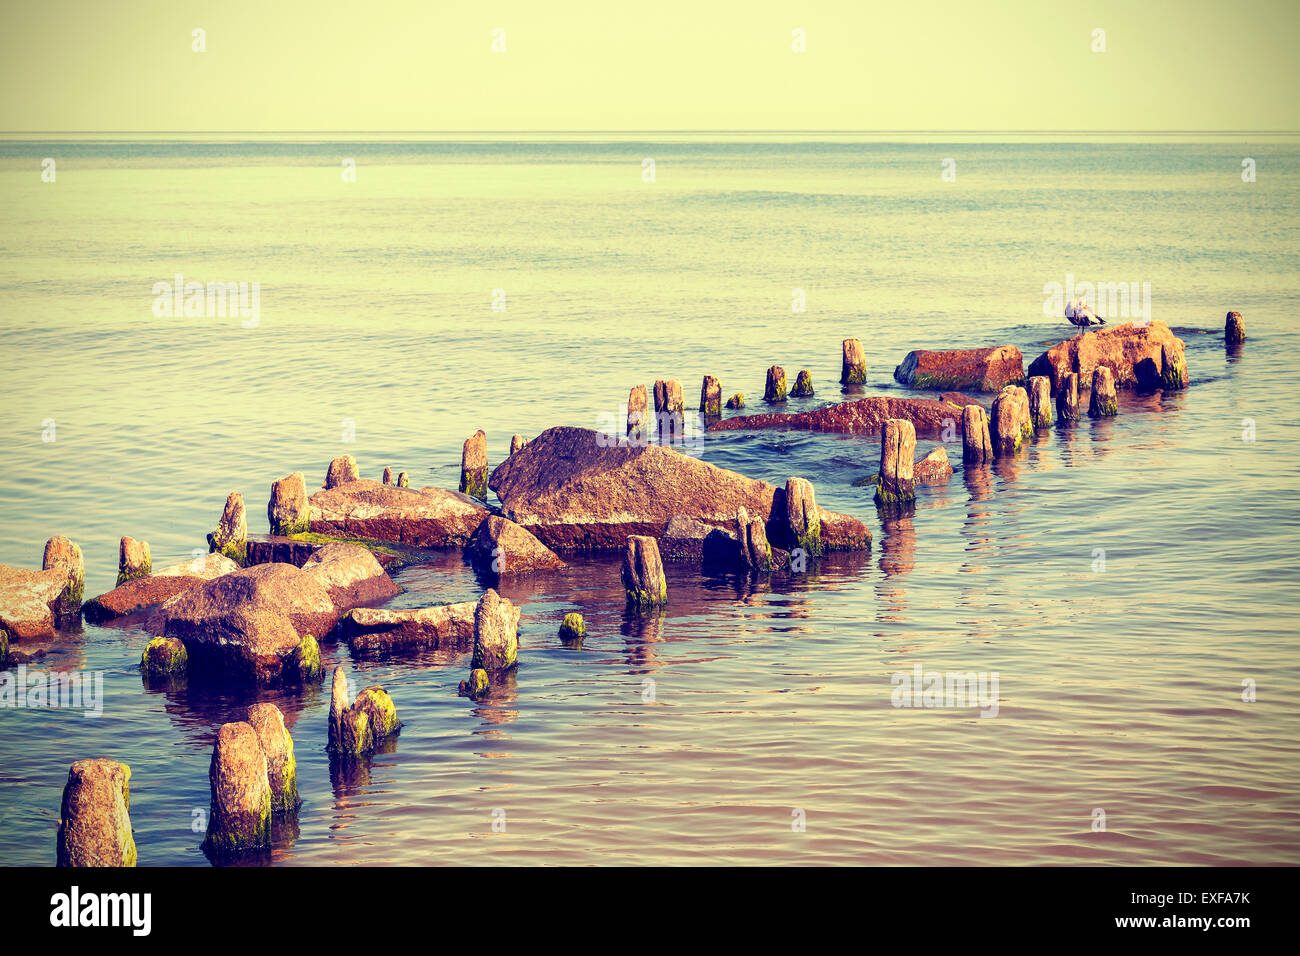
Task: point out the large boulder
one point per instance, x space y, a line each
864 416
253 624
985 370
141 594
578 490
388 630
350 574
502 547
1139 356
428 518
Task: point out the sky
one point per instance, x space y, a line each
425 65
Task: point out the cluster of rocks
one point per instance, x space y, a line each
34 604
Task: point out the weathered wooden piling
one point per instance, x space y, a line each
63 553
1067 399
341 470
95 817
803 386
1009 423
388 476
476 686
496 634
643 573
802 516
894 481
854 368
288 511
1234 329
281 768
240 816
474 466
359 727
736 401
1104 402
755 550
1040 402
231 534
134 560
711 398
517 443
638 415
670 411
402 480
774 391
976 446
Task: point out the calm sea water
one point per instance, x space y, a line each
705 735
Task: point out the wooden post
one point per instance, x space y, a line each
711 398
976 447
1067 399
1009 422
1040 402
643 573
638 416
774 393
894 481
474 466
854 369
1104 402
1234 330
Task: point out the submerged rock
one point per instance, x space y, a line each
231 534
1139 356
853 369
386 630
253 624
350 574
984 370
95 817
643 573
573 629
864 416
341 471
133 559
474 465
240 817
428 518
803 386
277 745
575 492
476 686
933 469
164 657
736 401
501 547
496 633
287 510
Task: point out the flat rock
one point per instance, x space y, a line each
984 370
385 630
350 574
933 469
141 594
428 518
575 490
1146 356
864 416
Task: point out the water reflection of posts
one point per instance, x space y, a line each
897 558
641 631
978 529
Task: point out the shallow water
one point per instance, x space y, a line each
1119 689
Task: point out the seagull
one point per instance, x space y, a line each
1078 313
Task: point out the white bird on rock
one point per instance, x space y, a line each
1078 313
